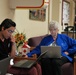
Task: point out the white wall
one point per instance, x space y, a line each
56 12
30 27
21 17
72 12
5 12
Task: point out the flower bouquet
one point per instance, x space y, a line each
22 47
20 38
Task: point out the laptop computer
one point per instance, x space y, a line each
28 63
4 65
53 51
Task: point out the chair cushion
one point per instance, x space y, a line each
34 41
67 69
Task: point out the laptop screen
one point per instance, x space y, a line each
53 51
4 65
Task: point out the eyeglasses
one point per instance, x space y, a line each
10 31
53 29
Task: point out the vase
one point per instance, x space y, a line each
19 50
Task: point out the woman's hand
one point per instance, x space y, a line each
26 56
34 55
66 53
13 49
12 39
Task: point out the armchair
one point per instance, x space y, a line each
67 69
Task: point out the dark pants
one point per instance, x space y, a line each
52 66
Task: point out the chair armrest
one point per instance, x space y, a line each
75 64
75 57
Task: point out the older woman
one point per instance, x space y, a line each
68 47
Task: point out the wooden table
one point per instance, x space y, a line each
18 58
75 65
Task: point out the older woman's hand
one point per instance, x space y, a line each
34 55
66 53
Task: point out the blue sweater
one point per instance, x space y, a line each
67 44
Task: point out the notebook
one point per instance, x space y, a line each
53 51
4 65
28 63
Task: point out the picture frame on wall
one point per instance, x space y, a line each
66 14
38 14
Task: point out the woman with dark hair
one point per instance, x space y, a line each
7 41
7 23
8 48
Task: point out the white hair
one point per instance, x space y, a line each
53 24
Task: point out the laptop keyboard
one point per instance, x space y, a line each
28 63
24 63
20 62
